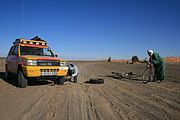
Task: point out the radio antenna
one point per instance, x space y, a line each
22 19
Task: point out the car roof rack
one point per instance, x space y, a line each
25 41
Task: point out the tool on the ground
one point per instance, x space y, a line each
52 84
125 75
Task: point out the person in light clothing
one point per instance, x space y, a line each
72 72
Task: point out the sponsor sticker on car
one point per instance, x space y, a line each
63 68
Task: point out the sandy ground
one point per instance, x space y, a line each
116 99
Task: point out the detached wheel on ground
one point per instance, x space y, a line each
61 80
22 80
96 81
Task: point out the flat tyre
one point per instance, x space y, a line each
96 81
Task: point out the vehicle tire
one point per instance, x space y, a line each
96 81
61 80
22 80
147 76
7 73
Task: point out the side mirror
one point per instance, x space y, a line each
56 55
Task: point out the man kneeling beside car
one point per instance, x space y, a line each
72 72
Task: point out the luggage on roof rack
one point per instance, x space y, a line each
37 38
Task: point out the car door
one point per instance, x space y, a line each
12 59
9 59
15 59
16 53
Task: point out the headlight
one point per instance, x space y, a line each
32 62
63 63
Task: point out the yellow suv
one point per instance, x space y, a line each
30 59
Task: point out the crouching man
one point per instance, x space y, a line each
72 72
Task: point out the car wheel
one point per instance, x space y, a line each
96 81
22 79
61 80
7 74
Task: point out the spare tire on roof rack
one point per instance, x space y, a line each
96 81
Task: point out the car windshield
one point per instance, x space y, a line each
26 50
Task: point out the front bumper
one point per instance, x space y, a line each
36 71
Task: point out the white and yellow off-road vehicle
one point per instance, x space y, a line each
29 59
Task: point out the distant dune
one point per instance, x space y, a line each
172 59
167 59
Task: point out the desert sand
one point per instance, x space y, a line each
116 99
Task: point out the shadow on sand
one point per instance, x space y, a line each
38 82
13 81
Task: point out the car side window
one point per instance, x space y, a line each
16 50
11 50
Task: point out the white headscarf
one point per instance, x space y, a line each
150 51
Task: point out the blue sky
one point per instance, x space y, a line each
94 29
